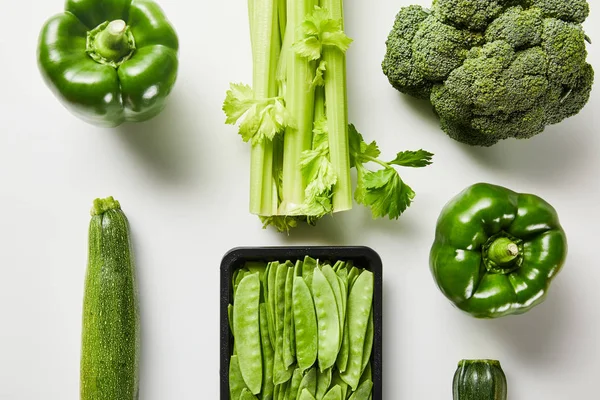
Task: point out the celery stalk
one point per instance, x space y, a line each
265 53
299 99
319 103
337 113
282 18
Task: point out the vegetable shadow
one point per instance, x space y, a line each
422 108
329 230
536 337
163 143
549 156
352 227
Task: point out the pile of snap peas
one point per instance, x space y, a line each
302 331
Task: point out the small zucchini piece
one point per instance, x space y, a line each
111 321
479 380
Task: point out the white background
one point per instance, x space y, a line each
182 179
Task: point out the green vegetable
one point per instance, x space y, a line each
111 322
306 395
359 309
328 320
363 392
109 61
295 118
246 330
496 251
267 353
305 323
312 322
236 381
493 69
479 380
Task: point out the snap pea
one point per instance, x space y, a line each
342 276
352 275
305 395
230 316
236 381
366 375
309 382
247 395
323 382
305 324
281 372
246 330
267 353
360 301
363 392
289 353
334 282
256 266
336 380
283 390
339 264
292 389
298 268
335 393
328 328
342 359
265 299
271 280
308 267
238 275
297 272
368 345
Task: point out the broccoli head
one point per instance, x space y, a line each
493 69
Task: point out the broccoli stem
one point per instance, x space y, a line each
265 52
299 100
337 113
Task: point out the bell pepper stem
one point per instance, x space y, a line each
111 43
502 251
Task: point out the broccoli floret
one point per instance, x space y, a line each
565 45
563 102
471 14
493 69
438 49
521 28
398 64
571 10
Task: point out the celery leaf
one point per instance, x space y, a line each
319 75
239 99
319 30
385 193
309 47
416 159
318 172
259 119
360 151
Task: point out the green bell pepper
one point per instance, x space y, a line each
496 251
110 61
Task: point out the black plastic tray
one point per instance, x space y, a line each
364 257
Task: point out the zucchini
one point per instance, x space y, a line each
479 380
111 321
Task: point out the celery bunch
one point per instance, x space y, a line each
295 118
